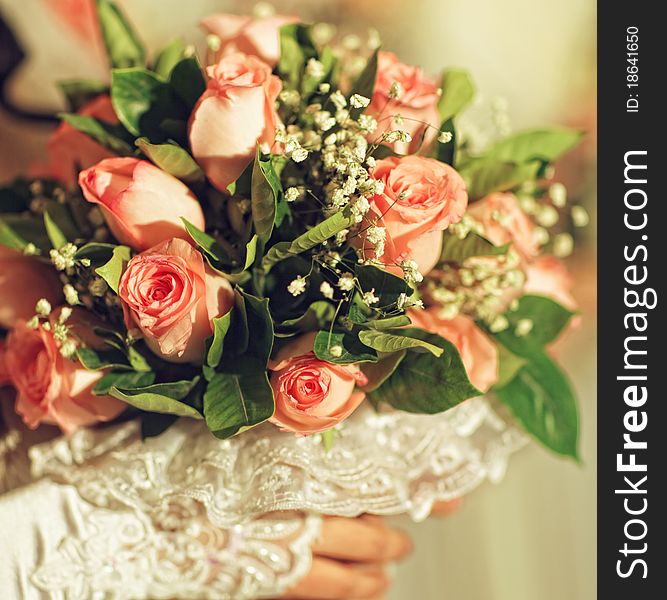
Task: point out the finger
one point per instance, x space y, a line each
362 541
444 509
331 580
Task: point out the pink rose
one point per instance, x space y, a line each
417 102
236 111
69 150
478 352
254 37
142 204
171 296
548 276
504 221
312 395
51 388
421 198
23 281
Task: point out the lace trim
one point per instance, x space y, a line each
381 463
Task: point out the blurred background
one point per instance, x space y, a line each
532 537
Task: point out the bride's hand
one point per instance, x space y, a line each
349 559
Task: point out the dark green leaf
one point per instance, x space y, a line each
97 253
446 152
352 350
541 399
389 342
457 92
456 250
169 57
423 383
236 402
315 317
188 81
387 287
17 231
109 136
260 327
365 84
110 358
509 364
122 380
266 190
122 44
111 271
377 373
296 47
220 329
161 398
173 159
210 246
79 92
153 424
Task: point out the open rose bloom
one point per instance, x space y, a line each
272 229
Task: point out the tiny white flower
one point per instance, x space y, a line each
547 216
346 282
376 234
371 162
291 194
71 295
359 101
523 327
30 249
445 137
395 90
370 297
367 123
338 99
327 290
341 236
297 286
324 88
336 351
411 271
558 194
43 307
65 313
68 349
315 68
299 155
563 245
213 42
580 217
500 323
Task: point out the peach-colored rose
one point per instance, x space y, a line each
478 352
236 111
254 37
421 198
51 388
69 150
142 204
23 281
548 276
312 395
171 296
504 221
417 102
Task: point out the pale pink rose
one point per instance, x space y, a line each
141 203
478 353
312 395
236 112
51 388
23 281
504 222
417 102
548 276
172 296
254 37
69 150
421 198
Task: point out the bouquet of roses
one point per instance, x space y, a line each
281 230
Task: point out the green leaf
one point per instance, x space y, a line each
423 383
328 438
188 81
456 250
154 424
142 101
173 159
236 402
509 364
123 46
296 47
105 134
457 92
536 144
383 341
79 92
220 329
161 397
260 328
313 237
169 57
389 322
484 175
365 84
387 287
96 252
17 231
208 244
238 328
310 84
95 360
541 399
353 351
111 271
548 318
58 240
447 152
315 317
250 253
377 373
265 191
123 380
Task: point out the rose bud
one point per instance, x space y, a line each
23 281
404 90
51 388
171 296
69 150
504 221
141 203
236 111
478 353
421 198
312 395
254 37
